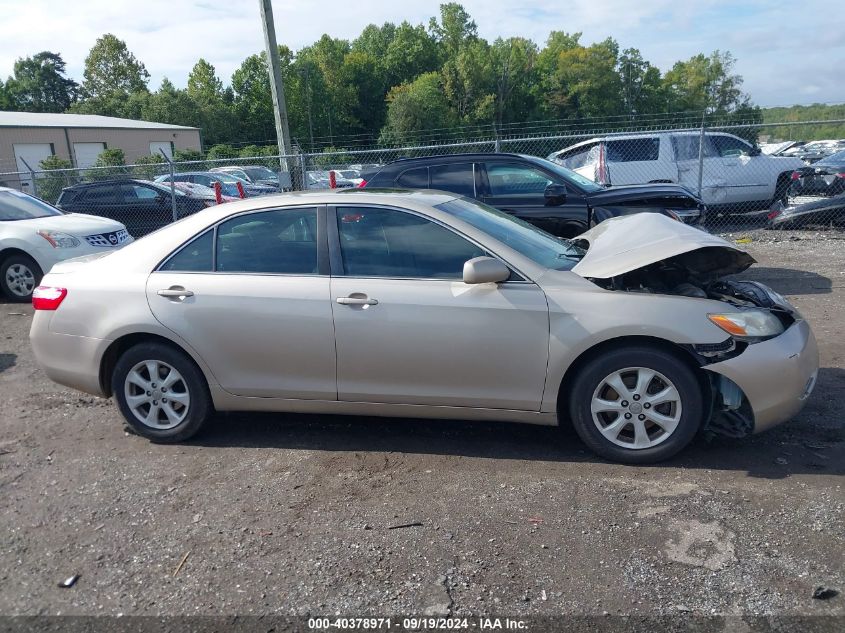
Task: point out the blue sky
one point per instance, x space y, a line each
788 52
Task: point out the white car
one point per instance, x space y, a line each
35 235
736 176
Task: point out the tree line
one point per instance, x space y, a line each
393 84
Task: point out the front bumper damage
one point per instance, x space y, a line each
775 377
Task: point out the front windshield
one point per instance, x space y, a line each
15 205
230 178
260 173
535 244
837 158
567 174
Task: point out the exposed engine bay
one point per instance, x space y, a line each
700 274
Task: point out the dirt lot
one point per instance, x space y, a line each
293 514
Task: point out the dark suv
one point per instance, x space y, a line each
140 205
552 197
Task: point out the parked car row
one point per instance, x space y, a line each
824 183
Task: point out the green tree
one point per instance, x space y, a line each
705 83
111 163
454 30
39 84
213 103
150 167
469 83
253 102
189 156
222 152
111 68
585 82
514 68
170 105
410 53
642 89
546 87
412 107
51 183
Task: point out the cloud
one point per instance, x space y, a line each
170 35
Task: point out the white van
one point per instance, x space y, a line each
736 175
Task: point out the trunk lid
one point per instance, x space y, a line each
623 244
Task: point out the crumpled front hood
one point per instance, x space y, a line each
622 244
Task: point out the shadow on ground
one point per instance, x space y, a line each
789 281
813 443
7 361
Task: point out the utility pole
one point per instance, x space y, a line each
277 88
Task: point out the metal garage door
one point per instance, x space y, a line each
29 156
86 153
156 147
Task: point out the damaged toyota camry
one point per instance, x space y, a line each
421 304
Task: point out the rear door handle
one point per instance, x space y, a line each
175 291
356 301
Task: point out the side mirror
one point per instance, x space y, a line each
755 151
555 194
485 270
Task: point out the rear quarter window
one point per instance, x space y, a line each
633 150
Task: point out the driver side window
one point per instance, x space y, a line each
510 179
376 242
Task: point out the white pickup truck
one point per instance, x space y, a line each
736 177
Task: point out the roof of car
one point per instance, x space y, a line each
461 156
113 181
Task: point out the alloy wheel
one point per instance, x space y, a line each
636 408
157 394
20 280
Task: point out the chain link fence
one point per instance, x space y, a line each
747 175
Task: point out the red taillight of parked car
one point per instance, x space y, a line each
362 184
796 175
842 175
773 214
48 298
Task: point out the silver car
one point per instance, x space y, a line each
424 304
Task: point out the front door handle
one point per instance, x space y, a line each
357 301
175 292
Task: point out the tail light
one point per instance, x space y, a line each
362 184
773 214
47 298
842 175
796 175
601 168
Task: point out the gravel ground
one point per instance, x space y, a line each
298 514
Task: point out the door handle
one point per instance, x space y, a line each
175 292
356 301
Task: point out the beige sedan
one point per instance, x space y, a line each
423 304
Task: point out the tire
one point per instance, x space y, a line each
19 276
680 417
782 190
175 408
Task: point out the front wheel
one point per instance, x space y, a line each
636 405
19 275
161 393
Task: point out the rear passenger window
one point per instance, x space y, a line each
195 257
633 150
102 195
458 178
414 178
276 242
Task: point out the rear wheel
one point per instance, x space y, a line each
19 276
782 189
161 393
636 405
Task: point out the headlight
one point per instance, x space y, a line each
749 324
58 239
